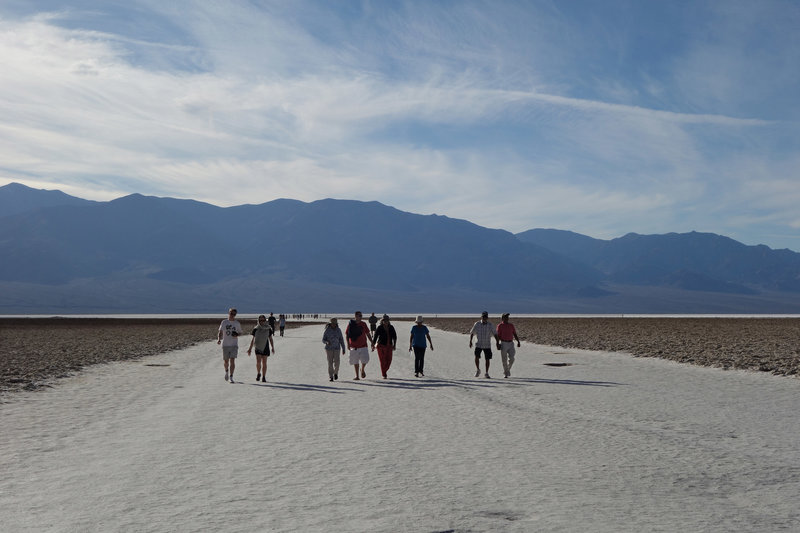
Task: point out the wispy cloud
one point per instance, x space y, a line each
510 115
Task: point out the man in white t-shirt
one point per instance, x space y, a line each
228 336
485 332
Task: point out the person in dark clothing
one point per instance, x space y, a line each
386 341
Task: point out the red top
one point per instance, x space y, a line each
506 331
360 342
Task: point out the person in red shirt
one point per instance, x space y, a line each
357 334
506 335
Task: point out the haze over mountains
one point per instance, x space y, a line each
141 254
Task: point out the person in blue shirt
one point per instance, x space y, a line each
419 333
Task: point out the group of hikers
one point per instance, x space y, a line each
358 337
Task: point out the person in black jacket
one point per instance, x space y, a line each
386 341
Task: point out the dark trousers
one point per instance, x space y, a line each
419 359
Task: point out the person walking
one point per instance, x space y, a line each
373 322
282 322
419 333
228 337
506 335
484 330
334 341
262 340
271 322
386 341
357 334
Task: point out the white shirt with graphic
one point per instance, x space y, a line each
228 327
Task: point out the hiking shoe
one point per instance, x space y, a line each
226 376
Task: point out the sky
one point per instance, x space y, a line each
602 118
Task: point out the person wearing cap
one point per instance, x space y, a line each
228 336
357 334
385 340
334 341
419 333
507 334
262 339
485 332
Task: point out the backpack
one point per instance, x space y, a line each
354 331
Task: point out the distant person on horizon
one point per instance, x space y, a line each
271 322
506 335
262 341
334 341
386 341
419 333
228 336
484 330
282 322
357 334
373 322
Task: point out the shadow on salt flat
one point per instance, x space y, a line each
437 383
304 387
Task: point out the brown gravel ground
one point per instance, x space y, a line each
35 351
763 344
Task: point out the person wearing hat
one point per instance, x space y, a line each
419 333
507 334
484 330
386 342
334 341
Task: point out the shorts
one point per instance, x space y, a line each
265 351
359 355
229 352
487 352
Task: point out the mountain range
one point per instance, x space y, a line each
141 254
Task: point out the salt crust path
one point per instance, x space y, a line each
611 443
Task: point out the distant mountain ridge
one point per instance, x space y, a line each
692 261
16 198
140 253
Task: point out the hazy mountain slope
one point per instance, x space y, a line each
692 261
330 241
16 198
146 254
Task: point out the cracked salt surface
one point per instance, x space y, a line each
610 443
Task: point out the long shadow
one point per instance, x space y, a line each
437 383
305 387
430 384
